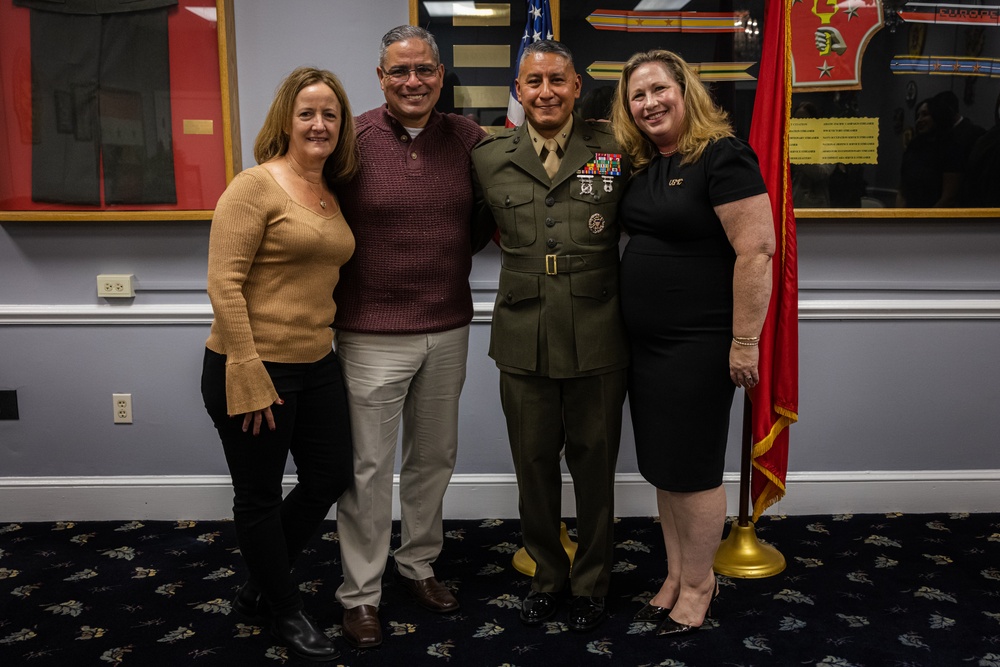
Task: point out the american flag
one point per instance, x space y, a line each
538 26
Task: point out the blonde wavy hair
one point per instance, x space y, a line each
272 140
704 120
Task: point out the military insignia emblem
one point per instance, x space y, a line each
829 39
596 223
605 165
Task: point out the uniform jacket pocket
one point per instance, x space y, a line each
512 205
514 337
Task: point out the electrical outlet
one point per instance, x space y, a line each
115 285
123 408
8 404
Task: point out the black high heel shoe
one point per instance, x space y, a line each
650 613
671 627
715 595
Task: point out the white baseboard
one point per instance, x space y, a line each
206 497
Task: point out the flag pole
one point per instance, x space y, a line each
742 554
524 564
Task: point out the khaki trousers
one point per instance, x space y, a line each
417 378
585 414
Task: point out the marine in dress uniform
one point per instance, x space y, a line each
557 334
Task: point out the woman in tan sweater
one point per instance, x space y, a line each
271 382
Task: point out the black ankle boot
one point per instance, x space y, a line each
250 603
303 638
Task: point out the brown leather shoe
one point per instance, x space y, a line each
430 594
361 626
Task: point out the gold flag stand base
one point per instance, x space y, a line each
524 564
742 555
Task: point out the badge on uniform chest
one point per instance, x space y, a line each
605 165
596 223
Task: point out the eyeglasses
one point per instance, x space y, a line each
401 74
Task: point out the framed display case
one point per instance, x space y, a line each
895 109
876 62
124 116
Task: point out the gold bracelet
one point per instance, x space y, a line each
747 342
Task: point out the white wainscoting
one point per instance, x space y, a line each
155 498
809 309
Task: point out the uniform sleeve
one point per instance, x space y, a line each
237 230
733 171
484 226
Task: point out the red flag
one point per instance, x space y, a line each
775 399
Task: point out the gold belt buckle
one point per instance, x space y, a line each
551 268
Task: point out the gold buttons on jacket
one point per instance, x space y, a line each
413 155
404 137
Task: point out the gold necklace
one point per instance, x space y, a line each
322 202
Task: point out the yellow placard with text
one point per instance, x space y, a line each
833 140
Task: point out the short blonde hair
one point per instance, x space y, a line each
704 120
272 140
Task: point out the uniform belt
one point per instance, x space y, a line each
552 265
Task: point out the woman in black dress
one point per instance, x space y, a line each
695 286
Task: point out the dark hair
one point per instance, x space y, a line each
949 100
596 104
938 112
403 33
547 46
805 110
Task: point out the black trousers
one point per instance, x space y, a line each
314 425
100 95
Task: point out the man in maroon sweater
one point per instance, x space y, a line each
403 313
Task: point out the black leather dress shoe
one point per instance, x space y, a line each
586 613
250 603
538 607
303 638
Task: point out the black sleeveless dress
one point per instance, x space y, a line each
677 302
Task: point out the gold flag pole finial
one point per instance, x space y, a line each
741 554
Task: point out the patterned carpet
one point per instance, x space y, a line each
872 590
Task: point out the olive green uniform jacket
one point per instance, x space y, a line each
557 310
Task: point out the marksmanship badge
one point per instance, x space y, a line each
596 223
605 165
